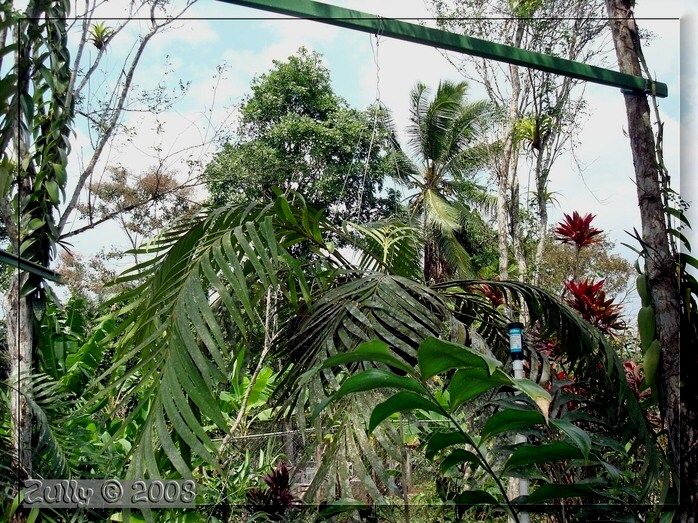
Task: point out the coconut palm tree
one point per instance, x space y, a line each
446 137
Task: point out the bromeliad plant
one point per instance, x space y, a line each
590 300
577 230
468 375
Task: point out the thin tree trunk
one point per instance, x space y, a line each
269 333
516 241
20 342
428 250
506 175
504 170
660 266
503 227
542 217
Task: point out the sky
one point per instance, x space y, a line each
193 51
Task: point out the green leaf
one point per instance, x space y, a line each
469 383
678 234
375 350
688 259
536 393
527 454
53 191
61 175
284 210
475 497
436 356
401 402
34 224
550 491
678 214
440 440
458 456
578 436
369 380
510 420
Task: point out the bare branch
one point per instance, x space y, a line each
108 129
128 208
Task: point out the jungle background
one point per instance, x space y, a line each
264 227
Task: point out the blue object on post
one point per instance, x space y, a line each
516 340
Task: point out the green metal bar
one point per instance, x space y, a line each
368 23
29 266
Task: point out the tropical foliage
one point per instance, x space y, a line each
303 302
199 303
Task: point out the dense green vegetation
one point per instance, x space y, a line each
308 345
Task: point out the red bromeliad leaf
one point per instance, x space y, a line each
590 300
277 498
577 230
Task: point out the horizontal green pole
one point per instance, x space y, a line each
29 266
350 19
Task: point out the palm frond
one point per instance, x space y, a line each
366 306
455 255
61 443
174 353
440 214
463 145
590 356
431 119
396 310
395 245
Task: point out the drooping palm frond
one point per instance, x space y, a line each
367 306
590 356
61 443
203 294
173 353
458 260
439 213
395 245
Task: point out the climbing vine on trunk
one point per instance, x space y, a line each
35 124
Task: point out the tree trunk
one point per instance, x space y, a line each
660 266
20 342
507 175
502 226
542 217
516 242
507 168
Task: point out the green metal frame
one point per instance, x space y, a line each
368 23
29 266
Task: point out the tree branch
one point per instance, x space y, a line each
121 99
123 210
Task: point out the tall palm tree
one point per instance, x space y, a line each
446 135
